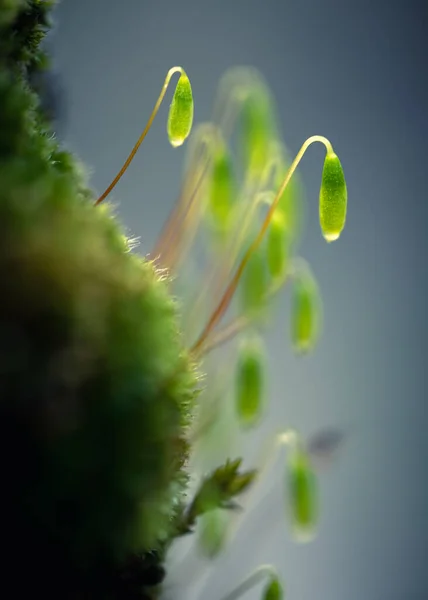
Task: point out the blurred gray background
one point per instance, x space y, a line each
354 71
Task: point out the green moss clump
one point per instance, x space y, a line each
95 387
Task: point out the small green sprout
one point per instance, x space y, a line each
180 116
219 488
214 497
250 382
333 198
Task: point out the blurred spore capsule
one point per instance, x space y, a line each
213 531
303 501
180 117
277 245
273 590
221 188
333 198
254 282
257 130
305 312
250 382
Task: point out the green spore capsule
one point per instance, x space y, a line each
333 198
213 532
305 312
273 590
257 130
180 116
254 282
303 501
277 245
250 382
222 189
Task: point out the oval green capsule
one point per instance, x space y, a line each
273 590
222 189
303 495
213 531
305 312
250 382
333 198
257 130
180 117
277 245
254 282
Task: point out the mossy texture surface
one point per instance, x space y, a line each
95 386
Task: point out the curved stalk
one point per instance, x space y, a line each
143 135
230 290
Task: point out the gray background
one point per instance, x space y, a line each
356 72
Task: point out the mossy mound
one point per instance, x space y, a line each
95 387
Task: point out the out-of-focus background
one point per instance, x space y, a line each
355 72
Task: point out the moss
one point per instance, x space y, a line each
95 386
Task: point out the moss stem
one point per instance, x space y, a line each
134 150
231 288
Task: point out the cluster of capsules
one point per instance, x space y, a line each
249 260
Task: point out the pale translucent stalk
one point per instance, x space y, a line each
170 73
